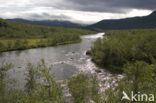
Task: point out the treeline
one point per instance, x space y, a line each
14 35
20 44
120 47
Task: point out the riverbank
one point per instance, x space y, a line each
23 44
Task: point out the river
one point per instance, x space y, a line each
67 60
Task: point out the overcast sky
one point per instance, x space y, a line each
80 11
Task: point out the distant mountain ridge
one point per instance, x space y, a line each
48 22
144 22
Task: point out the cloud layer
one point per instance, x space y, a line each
112 5
87 11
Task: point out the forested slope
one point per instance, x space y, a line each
145 22
48 22
14 35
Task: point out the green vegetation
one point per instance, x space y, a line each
41 86
47 91
139 79
119 47
4 82
84 88
17 36
131 52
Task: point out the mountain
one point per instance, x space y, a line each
48 23
144 22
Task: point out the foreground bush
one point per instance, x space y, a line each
40 86
84 88
139 79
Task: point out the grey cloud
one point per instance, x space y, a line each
47 9
108 5
46 16
90 5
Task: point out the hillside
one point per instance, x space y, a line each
48 23
12 29
144 22
17 36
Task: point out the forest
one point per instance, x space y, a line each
18 36
119 47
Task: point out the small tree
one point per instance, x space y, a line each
54 91
84 88
95 89
31 77
3 82
41 86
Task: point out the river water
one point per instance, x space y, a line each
67 60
